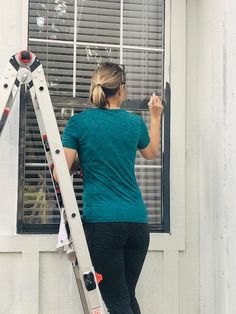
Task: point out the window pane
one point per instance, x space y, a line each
144 23
57 61
149 180
50 19
99 21
144 73
88 58
40 206
148 173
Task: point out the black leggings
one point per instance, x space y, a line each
118 251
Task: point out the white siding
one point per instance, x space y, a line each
193 269
12 39
217 172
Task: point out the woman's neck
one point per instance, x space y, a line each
115 101
112 107
113 104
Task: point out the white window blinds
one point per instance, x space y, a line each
71 37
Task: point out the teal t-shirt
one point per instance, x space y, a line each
107 141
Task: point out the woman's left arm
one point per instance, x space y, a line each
70 157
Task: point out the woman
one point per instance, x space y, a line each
106 139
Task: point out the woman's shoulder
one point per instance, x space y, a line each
83 114
95 112
133 115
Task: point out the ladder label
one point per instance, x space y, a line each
97 311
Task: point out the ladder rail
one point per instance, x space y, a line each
40 96
8 93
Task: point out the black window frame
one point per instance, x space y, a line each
165 173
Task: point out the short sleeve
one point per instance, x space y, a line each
70 138
144 138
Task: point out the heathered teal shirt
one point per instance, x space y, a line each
106 141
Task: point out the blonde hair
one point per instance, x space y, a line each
105 82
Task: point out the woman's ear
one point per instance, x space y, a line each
120 90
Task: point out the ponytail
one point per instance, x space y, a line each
97 96
105 83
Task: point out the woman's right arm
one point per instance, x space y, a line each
155 109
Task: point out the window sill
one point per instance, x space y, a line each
47 243
166 242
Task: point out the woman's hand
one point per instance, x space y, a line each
70 155
155 106
54 174
156 109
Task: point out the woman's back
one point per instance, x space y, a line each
107 141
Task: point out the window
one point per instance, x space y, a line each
71 37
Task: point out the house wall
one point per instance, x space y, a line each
216 50
211 149
191 270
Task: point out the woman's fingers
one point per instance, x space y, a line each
155 105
